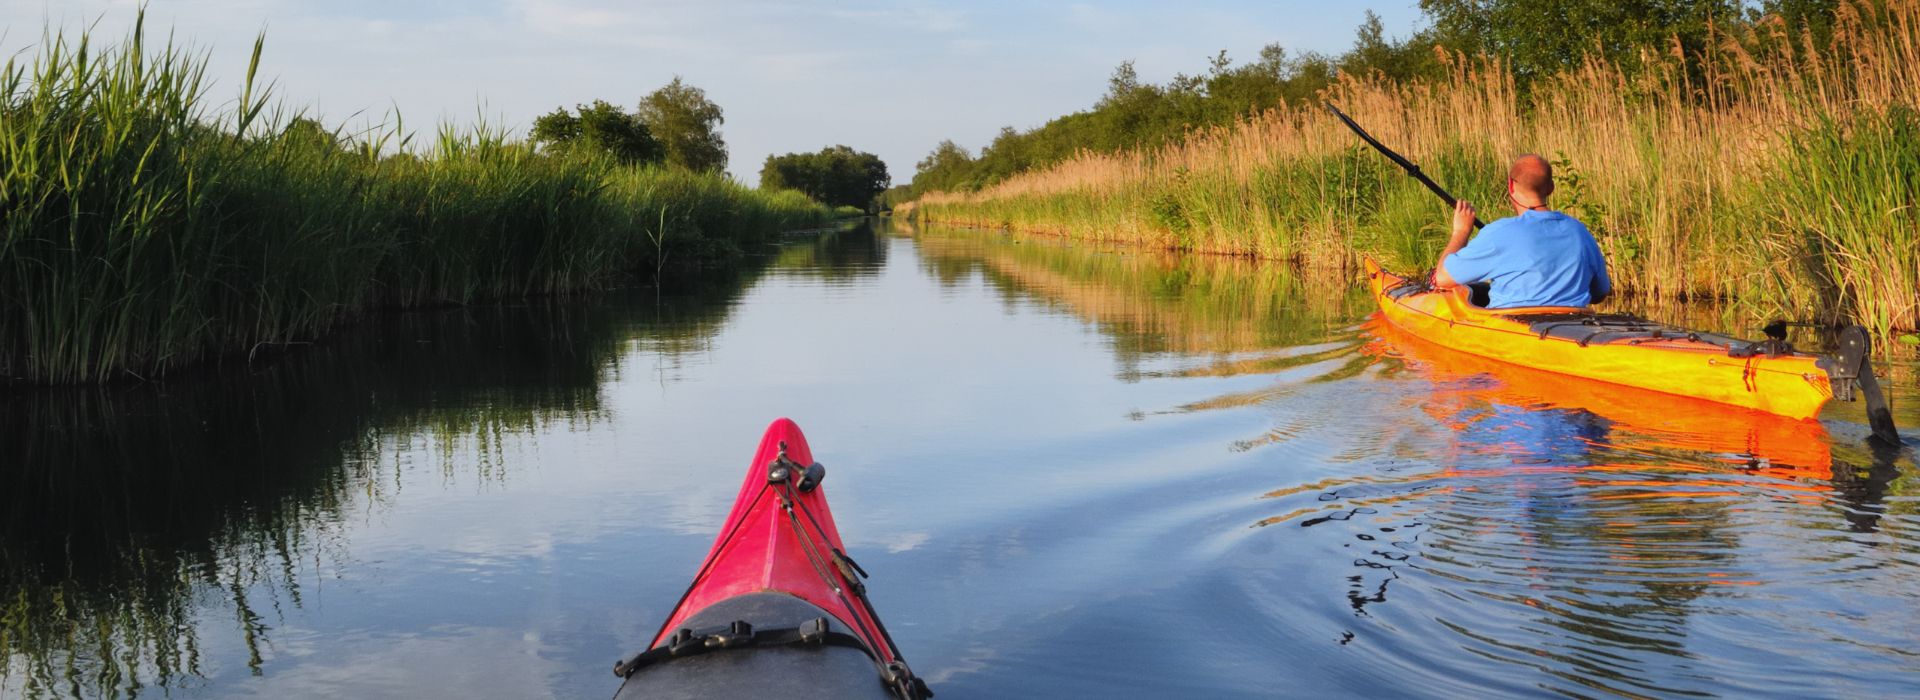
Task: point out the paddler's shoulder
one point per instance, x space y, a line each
1536 219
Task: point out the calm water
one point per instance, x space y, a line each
1073 473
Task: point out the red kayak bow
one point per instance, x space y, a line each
776 592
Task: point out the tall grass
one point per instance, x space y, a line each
1786 179
144 228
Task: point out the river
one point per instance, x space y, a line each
1072 472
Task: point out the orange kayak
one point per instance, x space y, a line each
1613 348
1648 423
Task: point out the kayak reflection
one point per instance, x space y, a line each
1615 425
1558 524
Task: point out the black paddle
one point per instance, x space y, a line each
1407 165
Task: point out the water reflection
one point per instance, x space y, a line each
1578 529
1210 468
1483 528
1151 304
856 252
128 512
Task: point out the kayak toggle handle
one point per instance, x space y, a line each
810 478
1851 368
782 469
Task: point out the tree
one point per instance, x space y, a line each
948 167
837 175
598 128
1373 53
1542 37
687 125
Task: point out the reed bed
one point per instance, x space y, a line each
145 226
1785 180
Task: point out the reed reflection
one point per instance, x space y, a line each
1149 303
132 518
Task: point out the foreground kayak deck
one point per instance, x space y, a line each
790 671
1615 349
777 606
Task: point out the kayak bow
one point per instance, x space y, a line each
777 606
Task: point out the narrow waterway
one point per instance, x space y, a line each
1072 473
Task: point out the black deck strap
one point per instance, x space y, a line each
739 635
1409 287
1617 326
1605 337
1546 328
851 571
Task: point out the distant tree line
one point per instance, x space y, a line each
1535 39
836 176
675 125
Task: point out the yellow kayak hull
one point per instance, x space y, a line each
1789 384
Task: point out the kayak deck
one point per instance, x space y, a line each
1612 348
777 605
776 671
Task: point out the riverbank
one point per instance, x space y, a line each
146 226
1786 184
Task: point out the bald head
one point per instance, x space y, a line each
1532 175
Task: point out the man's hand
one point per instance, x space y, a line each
1463 217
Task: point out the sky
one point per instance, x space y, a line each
889 78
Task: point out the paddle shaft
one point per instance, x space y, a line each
1412 169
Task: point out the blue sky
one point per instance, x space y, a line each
892 78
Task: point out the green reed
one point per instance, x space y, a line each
144 228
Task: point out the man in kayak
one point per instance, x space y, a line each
1540 257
